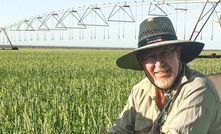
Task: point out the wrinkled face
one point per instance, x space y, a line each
161 65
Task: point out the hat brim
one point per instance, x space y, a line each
190 50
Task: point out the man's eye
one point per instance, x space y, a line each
165 54
151 58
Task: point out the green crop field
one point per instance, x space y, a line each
67 90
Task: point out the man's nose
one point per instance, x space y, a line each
159 61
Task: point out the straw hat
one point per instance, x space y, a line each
157 32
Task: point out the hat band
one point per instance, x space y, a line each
156 39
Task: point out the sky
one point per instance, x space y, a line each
12 11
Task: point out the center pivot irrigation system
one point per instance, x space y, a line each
116 21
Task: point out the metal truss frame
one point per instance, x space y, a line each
96 11
5 33
122 8
203 15
82 14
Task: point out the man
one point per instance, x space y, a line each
173 99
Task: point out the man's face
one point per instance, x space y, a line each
162 65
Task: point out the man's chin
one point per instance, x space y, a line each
164 83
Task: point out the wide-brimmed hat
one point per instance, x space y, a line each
157 32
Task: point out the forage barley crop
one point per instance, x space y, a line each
67 91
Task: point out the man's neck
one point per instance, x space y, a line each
160 99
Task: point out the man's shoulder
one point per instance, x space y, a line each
144 90
143 87
191 73
143 83
200 81
196 78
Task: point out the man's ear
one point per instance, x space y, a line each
179 50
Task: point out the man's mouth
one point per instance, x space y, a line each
163 73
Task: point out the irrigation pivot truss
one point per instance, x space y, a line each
191 19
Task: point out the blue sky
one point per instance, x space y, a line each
12 11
